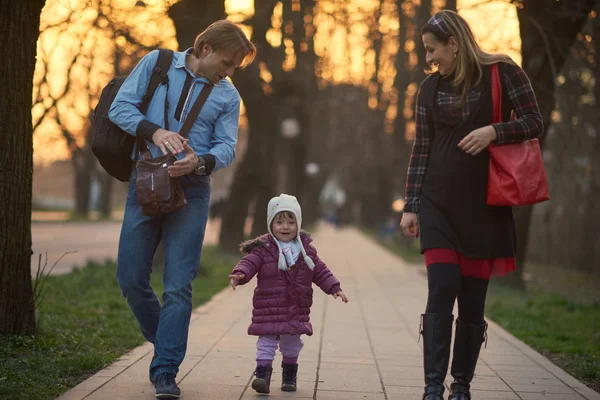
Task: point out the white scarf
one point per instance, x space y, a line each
291 251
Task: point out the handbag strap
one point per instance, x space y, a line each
195 111
496 94
189 119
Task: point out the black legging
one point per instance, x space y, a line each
446 284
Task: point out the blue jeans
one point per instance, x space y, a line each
182 232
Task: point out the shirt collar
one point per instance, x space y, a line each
180 63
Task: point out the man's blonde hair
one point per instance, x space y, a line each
225 35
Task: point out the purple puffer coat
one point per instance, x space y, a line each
282 299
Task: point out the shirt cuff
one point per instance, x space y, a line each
499 133
210 162
146 129
411 208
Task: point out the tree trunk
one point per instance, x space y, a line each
190 18
545 50
311 209
411 21
450 5
401 83
259 216
304 89
423 15
83 162
241 195
410 29
254 172
254 178
590 244
19 31
193 16
106 188
378 160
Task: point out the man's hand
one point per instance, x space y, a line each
341 295
168 141
186 165
235 279
476 141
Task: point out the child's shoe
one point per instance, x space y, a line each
288 380
262 380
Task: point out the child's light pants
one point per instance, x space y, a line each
289 346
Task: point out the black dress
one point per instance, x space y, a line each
453 210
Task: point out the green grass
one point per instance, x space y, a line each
577 286
564 331
84 325
558 314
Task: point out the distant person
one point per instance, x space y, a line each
464 240
217 52
286 266
389 229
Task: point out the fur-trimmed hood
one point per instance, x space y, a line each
261 241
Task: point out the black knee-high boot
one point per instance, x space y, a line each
437 334
467 344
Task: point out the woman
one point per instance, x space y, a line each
464 240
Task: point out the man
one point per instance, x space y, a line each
210 146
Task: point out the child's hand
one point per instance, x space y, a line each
235 279
342 295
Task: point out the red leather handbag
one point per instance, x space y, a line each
516 176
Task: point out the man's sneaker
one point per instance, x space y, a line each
288 377
262 380
165 386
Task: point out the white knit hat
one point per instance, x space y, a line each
285 202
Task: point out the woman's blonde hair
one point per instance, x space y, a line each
225 35
470 57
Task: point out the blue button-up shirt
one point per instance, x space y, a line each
214 131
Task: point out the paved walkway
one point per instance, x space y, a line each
83 241
366 349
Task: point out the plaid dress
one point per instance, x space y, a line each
448 187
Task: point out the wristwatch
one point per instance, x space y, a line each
200 167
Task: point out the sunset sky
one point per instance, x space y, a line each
68 26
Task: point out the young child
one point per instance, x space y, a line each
287 265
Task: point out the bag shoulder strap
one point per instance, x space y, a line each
496 94
159 75
195 111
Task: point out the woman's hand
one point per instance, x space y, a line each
410 224
476 141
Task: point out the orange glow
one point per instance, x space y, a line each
495 25
72 31
75 59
